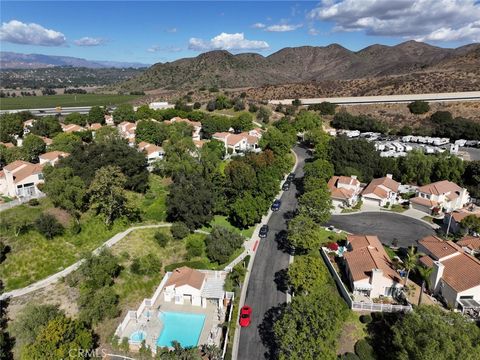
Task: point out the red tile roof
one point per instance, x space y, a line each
439 248
186 276
440 187
470 242
375 187
422 201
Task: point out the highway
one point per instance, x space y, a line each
264 290
385 99
52 111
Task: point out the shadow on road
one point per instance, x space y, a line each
282 242
281 280
265 329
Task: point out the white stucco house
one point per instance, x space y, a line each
369 269
381 191
52 157
344 190
20 179
440 196
456 274
196 126
152 152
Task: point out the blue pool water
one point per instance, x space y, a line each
182 327
138 336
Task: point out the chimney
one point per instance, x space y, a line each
354 177
389 176
437 273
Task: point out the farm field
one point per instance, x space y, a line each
69 100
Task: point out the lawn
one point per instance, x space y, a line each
33 257
428 219
219 220
34 102
390 252
353 330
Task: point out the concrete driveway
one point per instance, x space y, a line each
387 226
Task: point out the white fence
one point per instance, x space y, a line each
225 341
20 201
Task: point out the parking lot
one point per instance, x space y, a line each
387 226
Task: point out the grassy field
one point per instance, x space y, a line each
34 102
219 220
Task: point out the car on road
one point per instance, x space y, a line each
245 316
276 205
263 231
286 186
291 177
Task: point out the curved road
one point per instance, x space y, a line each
262 291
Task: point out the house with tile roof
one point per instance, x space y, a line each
127 130
456 274
453 220
52 157
69 128
20 179
47 140
369 269
381 191
470 244
441 196
344 190
185 285
152 152
196 125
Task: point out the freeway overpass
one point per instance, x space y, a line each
385 99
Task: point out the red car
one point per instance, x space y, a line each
245 316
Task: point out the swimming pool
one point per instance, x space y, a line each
182 327
138 336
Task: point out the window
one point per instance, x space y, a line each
40 176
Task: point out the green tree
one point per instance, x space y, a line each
411 261
325 108
144 113
10 125
31 321
304 234
107 134
419 107
243 122
32 147
416 167
317 204
6 341
48 126
96 305
97 271
151 131
248 210
48 226
431 333
179 230
96 115
319 169
471 177
310 326
76 118
221 243
471 223
425 274
65 189
66 142
240 176
124 112
320 140
307 120
59 339
263 114
447 167
307 273
277 141
107 194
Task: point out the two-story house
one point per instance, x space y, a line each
52 157
381 191
20 179
344 190
440 196
152 152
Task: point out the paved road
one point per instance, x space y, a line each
262 291
387 226
381 99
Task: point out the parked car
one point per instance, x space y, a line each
291 177
245 316
286 186
263 231
276 205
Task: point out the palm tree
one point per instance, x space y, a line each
425 273
410 261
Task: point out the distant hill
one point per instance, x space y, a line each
304 64
11 60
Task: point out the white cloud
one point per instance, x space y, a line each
18 32
172 30
226 41
259 25
88 41
158 48
313 31
282 27
440 20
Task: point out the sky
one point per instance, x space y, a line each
160 31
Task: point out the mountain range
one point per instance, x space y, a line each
304 64
12 60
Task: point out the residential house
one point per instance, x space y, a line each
27 125
196 125
127 130
20 178
7 145
94 126
344 190
470 244
152 152
440 196
234 142
52 157
456 274
453 219
69 128
381 191
369 269
47 140
109 120
160 105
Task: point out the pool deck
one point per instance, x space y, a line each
152 326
